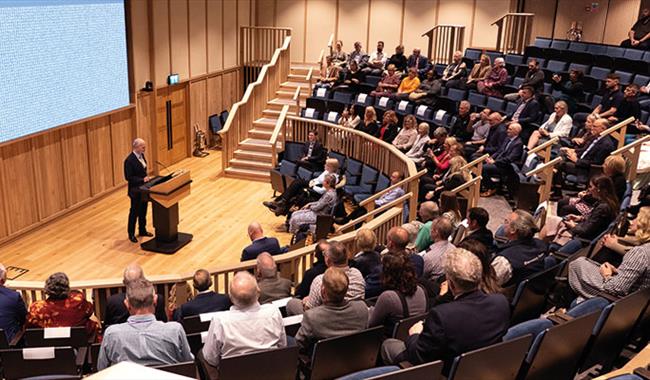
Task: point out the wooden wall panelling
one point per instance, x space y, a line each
48 170
265 12
4 217
140 43
230 34
18 175
384 24
100 155
574 10
180 129
160 23
484 34
179 42
75 164
291 13
162 153
243 18
144 108
353 24
322 22
419 17
122 134
214 37
458 12
214 94
198 107
544 12
229 89
197 37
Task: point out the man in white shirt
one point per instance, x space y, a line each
247 327
377 61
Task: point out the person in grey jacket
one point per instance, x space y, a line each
335 317
324 206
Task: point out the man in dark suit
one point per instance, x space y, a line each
579 161
313 153
206 301
135 172
499 164
477 220
260 243
419 62
471 321
116 311
12 308
527 112
318 268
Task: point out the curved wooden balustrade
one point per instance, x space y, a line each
631 153
292 265
617 131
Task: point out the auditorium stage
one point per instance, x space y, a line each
91 243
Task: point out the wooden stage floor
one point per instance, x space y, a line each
91 243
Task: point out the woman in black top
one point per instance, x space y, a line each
389 129
572 90
369 122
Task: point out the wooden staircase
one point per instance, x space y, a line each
252 159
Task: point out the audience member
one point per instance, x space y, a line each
407 135
389 196
309 213
330 76
205 301
349 118
449 208
437 164
629 106
369 122
462 129
612 250
455 176
402 296
416 153
493 84
336 256
472 320
477 221
479 73
426 93
489 283
480 129
247 327
388 84
572 91
409 84
377 61
398 60
388 129
317 268
63 307
456 70
523 254
116 312
313 153
559 125
142 339
611 99
357 55
639 35
259 243
337 55
397 240
367 260
499 164
584 135
12 308
533 78
495 137
419 62
434 258
527 112
272 286
428 212
352 78
336 316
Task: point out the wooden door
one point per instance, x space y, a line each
171 125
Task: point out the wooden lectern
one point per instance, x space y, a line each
165 193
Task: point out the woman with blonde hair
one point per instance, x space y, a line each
612 249
407 135
479 72
449 207
369 122
453 178
588 279
388 129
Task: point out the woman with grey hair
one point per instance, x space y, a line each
496 79
62 307
309 213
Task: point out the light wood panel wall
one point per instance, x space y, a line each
609 24
393 21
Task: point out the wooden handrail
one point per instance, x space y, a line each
444 40
476 166
296 97
371 214
467 184
631 152
547 146
618 131
631 145
512 14
541 168
514 31
473 189
371 200
279 126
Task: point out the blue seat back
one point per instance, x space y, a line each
288 168
625 76
332 117
644 116
384 103
641 80
514 59
599 73
473 54
511 107
560 44
353 171
578 66
646 56
595 100
304 173
215 123
364 99
456 94
310 113
495 104
439 68
404 107
597 49
368 174
340 158
615 51
343 97
493 55
382 182
423 112
292 151
542 42
577 46
633 54
517 81
373 80
556 66
476 99
321 92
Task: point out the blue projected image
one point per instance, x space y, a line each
61 61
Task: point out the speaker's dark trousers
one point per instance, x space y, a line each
138 211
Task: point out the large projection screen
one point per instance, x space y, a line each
60 61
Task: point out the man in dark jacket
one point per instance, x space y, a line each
499 164
471 321
316 269
495 137
527 112
205 301
313 153
135 173
477 219
523 255
12 308
259 243
534 78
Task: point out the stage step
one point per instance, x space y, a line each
250 164
260 134
253 175
274 113
265 123
253 155
258 145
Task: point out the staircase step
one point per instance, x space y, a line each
266 122
289 94
298 77
261 134
275 113
253 155
295 84
250 164
258 145
253 175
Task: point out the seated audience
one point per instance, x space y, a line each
434 257
388 85
409 84
272 286
247 327
480 125
584 135
527 112
523 254
437 164
499 164
489 283
12 308
349 119
578 161
572 91
336 316
367 260
336 256
317 268
205 301
496 79
428 212
142 339
313 153
449 208
559 125
259 243
416 153
398 60
388 129
479 73
309 213
397 240
455 71
427 91
376 61
496 135
462 127
471 321
294 195
611 249
477 221
418 62
533 78
389 196
407 135
330 76
352 78
337 55
402 296
639 35
63 307
629 106
369 122
357 55
611 99
453 177
116 311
